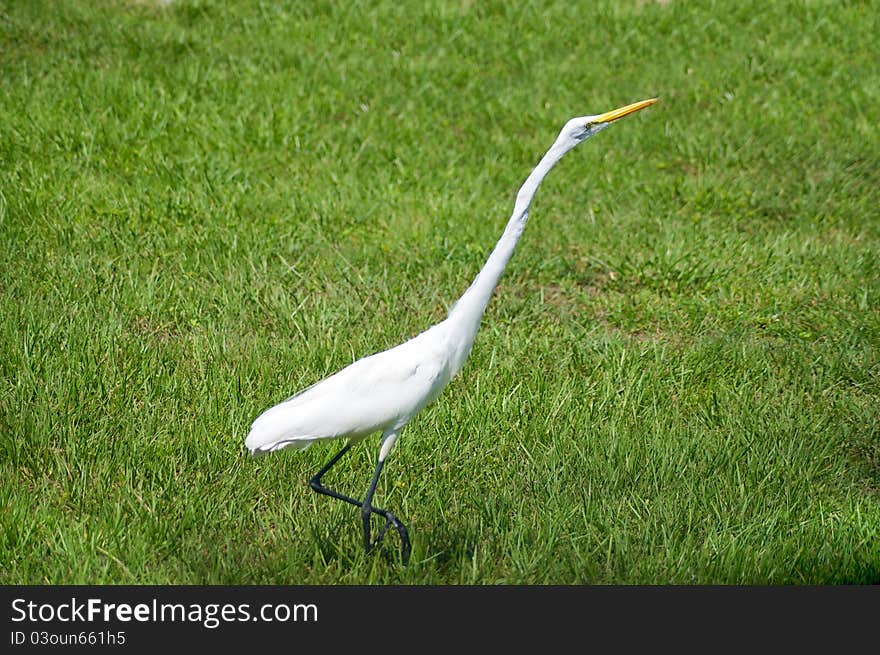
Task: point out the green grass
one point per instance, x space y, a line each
208 206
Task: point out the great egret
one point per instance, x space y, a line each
382 392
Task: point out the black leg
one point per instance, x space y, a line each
366 507
368 501
390 519
315 482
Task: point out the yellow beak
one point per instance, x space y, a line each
609 116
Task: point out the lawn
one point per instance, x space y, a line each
207 206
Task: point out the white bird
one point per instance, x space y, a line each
382 392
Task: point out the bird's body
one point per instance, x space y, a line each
379 393
382 392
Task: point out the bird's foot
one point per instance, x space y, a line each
405 548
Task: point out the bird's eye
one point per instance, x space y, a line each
588 126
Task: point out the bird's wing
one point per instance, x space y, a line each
374 393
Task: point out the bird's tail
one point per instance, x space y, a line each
258 450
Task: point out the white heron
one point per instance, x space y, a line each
382 392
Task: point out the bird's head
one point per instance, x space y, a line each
582 128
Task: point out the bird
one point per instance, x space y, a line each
382 392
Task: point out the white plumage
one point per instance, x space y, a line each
382 392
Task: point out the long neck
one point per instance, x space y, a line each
467 313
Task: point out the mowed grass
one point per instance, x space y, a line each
206 206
